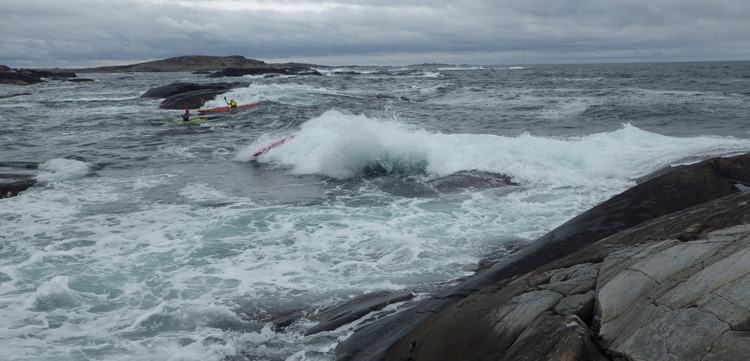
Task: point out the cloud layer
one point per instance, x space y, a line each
42 33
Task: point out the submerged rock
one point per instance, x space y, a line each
472 179
587 289
13 95
12 188
356 309
16 177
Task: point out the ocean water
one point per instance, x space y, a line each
173 242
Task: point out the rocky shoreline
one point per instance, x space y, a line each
179 95
659 272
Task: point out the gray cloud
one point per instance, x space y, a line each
38 33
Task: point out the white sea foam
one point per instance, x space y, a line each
59 169
462 68
293 94
179 253
343 145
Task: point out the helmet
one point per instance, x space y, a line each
187 110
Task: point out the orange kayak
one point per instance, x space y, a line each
224 109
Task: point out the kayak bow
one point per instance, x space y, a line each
224 109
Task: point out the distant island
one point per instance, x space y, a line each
195 63
216 66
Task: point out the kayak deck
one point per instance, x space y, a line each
180 121
224 109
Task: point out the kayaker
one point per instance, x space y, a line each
186 116
232 104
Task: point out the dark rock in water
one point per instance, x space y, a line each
54 74
475 321
285 319
12 189
472 179
30 76
309 72
190 100
16 78
283 70
356 309
496 256
189 95
13 95
167 91
80 80
13 183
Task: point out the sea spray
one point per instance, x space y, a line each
59 169
343 145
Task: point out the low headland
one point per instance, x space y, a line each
178 95
213 66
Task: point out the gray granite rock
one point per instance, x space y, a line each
657 273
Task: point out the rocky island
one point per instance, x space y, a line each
185 95
215 66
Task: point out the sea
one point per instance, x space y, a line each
174 242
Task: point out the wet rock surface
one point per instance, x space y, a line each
16 177
658 272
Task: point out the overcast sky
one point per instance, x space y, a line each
81 33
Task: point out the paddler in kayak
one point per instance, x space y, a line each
186 116
232 104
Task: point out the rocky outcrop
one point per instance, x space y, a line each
10 187
643 294
629 279
30 76
190 100
356 308
16 177
474 179
189 95
16 78
169 90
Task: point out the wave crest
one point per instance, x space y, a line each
59 169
